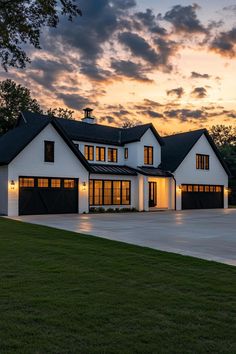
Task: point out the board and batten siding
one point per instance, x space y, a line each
187 173
30 162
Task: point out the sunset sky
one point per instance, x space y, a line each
172 63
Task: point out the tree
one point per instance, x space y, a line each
14 99
60 113
223 135
22 21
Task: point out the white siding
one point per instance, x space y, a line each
136 150
30 162
187 173
3 190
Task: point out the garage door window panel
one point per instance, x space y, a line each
43 183
27 182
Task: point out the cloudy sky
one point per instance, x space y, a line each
172 63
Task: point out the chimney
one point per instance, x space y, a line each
88 118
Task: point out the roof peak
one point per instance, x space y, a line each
203 130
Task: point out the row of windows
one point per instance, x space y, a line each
112 153
47 183
201 188
108 192
202 162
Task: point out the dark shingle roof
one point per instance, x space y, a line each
176 148
77 130
153 171
15 140
112 169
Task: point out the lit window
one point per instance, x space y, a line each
126 153
108 192
201 189
89 152
98 191
125 192
56 183
69 183
202 162
49 151
148 155
100 153
112 155
27 182
43 183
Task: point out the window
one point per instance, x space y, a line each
126 153
148 155
43 183
112 155
89 152
107 192
49 151
201 188
27 182
56 183
69 183
202 162
100 153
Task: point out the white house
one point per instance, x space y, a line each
53 165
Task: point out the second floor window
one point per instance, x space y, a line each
126 153
49 151
202 162
89 152
112 155
148 155
100 153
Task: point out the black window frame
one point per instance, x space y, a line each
110 155
98 153
90 149
126 153
47 157
92 181
203 162
150 155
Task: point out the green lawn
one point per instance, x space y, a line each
61 292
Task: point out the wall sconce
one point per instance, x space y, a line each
180 187
84 186
227 189
12 184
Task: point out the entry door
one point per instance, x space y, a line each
152 194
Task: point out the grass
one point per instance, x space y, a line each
61 292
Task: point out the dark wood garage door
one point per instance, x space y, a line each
196 196
39 195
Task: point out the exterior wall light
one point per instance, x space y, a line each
180 187
227 189
84 186
12 184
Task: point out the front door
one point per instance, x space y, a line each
152 194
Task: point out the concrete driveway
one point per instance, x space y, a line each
207 234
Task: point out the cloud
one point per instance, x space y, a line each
139 47
130 69
184 19
179 92
185 114
225 43
199 92
196 75
94 72
152 114
75 101
149 21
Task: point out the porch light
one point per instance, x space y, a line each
12 184
84 186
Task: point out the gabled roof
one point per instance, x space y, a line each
176 148
81 131
15 140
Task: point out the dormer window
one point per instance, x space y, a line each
100 153
148 155
112 155
49 151
89 152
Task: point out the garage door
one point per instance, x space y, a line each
196 196
39 195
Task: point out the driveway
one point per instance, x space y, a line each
207 234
